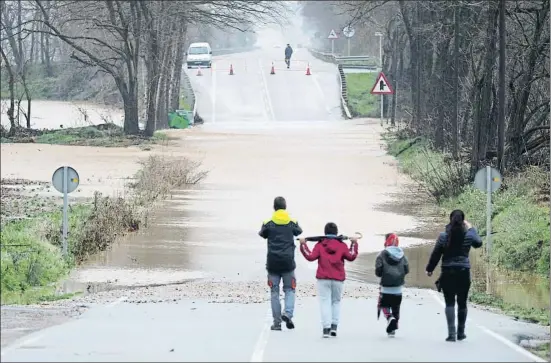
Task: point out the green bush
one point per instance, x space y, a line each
441 176
520 222
522 238
28 261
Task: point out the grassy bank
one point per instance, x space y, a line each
360 101
31 247
106 135
520 219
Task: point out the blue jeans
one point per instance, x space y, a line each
289 286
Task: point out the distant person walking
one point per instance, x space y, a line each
330 252
453 247
288 54
280 232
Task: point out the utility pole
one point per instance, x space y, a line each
502 105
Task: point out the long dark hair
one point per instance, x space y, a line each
456 229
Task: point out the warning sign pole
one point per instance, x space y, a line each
332 36
382 87
382 106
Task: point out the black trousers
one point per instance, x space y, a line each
390 305
456 283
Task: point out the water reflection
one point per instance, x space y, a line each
525 290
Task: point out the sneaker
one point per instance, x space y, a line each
288 322
392 325
333 330
326 332
275 327
392 334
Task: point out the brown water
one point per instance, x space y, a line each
63 114
211 230
525 290
296 145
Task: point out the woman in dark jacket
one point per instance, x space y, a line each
453 248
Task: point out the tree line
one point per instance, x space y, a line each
443 59
139 45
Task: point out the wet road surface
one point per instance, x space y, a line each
265 135
196 330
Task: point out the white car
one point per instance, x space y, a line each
199 55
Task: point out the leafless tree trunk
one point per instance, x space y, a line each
11 82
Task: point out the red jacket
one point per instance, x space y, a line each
330 254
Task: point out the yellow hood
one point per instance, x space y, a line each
281 217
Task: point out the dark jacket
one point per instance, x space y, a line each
280 231
453 258
392 266
288 52
330 254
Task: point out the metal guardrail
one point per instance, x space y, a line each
342 80
355 61
344 92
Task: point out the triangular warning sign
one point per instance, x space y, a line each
332 34
381 86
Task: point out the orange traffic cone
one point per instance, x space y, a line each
308 70
273 69
199 71
231 70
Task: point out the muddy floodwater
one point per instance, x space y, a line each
210 231
528 291
63 114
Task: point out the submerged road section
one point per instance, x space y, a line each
264 135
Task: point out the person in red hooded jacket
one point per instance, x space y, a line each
330 253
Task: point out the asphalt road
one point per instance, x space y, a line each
196 329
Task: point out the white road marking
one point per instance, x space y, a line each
320 90
495 335
213 73
267 92
260 346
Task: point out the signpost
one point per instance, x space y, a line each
332 36
382 87
348 33
488 180
65 180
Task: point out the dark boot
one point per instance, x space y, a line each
333 330
450 318
461 320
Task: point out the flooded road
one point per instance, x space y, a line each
265 135
524 290
211 231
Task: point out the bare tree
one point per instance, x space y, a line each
103 34
450 72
